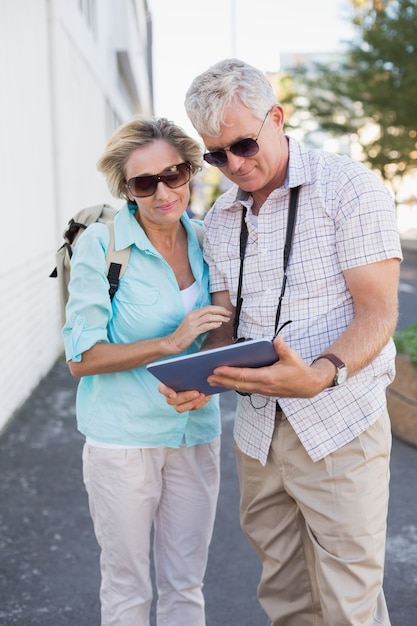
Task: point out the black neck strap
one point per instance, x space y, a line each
292 215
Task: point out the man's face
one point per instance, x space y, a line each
263 170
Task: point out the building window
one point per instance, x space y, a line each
112 120
89 10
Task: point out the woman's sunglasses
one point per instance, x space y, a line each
243 148
173 177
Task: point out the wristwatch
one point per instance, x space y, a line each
341 369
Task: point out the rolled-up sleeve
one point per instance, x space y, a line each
88 309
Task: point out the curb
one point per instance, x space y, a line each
402 401
401 406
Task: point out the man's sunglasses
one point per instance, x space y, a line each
243 148
173 177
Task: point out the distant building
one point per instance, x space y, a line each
70 72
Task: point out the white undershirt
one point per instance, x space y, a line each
189 296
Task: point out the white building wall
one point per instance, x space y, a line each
64 86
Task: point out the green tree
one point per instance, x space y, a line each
370 92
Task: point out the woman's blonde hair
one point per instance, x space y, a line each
137 132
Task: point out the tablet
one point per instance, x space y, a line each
190 371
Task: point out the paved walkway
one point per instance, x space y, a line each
48 555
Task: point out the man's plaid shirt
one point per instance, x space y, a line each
346 219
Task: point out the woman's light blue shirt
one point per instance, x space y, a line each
126 408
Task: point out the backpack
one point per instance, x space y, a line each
117 260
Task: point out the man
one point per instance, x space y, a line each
313 437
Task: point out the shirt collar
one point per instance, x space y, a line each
299 170
127 230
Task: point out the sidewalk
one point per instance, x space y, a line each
49 560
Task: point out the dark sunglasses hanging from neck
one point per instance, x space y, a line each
292 214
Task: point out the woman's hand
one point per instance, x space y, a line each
195 323
184 400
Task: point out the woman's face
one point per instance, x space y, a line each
165 205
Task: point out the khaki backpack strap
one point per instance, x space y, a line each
117 261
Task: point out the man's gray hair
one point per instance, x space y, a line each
212 93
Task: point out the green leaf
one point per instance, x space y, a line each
406 342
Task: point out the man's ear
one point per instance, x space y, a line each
277 115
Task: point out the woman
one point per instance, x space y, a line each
144 464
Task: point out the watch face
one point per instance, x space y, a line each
341 375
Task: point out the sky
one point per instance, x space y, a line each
191 35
